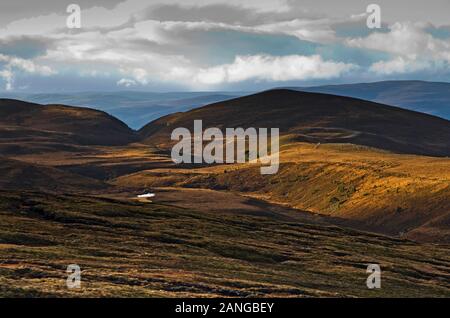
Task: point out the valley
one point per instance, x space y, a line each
359 183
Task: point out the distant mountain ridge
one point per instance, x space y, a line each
138 108
426 97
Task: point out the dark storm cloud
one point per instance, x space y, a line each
24 46
19 9
224 13
436 11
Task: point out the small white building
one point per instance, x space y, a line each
146 196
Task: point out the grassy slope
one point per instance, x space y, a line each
389 193
137 249
19 175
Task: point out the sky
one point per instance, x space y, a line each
200 45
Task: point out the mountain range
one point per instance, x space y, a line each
138 108
426 97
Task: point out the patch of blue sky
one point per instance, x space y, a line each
23 48
357 29
341 53
442 32
223 46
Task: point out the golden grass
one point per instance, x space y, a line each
404 195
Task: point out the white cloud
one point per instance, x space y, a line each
318 30
411 47
30 67
270 68
407 39
126 82
7 75
399 65
403 38
34 26
12 63
26 65
243 68
139 76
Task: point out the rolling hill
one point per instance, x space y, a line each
19 175
134 108
427 97
317 118
138 108
33 127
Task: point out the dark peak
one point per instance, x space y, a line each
318 117
61 124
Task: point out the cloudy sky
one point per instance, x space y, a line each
168 45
